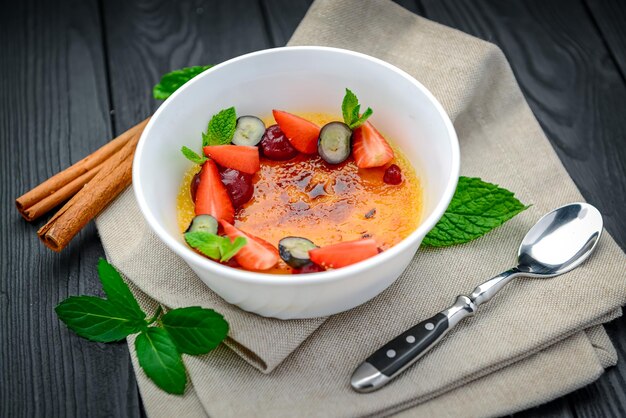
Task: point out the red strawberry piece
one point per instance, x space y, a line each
257 254
369 147
302 133
243 158
211 194
344 253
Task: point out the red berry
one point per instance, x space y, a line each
393 175
309 268
276 146
231 263
239 185
193 187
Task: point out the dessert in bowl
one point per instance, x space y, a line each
329 195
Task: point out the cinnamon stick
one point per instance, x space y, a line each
55 199
58 183
112 178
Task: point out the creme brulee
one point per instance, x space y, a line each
307 197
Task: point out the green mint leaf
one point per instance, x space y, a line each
214 246
229 249
195 330
192 156
205 242
351 110
221 128
117 291
349 104
360 120
476 208
172 81
98 319
159 358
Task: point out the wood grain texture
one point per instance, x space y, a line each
146 39
53 112
570 81
575 89
282 17
66 64
610 17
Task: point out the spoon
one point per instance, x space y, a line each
559 242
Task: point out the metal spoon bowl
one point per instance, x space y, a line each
559 242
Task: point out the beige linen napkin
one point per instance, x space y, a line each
516 353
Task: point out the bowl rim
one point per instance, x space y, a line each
312 278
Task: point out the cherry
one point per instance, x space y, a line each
239 185
193 186
309 268
276 146
393 175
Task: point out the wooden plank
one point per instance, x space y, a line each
146 39
558 408
53 111
610 16
283 17
570 82
575 90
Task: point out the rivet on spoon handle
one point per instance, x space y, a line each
394 357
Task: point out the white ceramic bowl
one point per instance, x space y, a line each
297 79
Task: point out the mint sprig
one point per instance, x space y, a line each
160 360
195 330
172 81
221 128
476 208
98 319
161 340
214 246
350 109
192 156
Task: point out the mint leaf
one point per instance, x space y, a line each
221 128
214 246
350 109
172 81
117 291
159 358
205 242
476 208
195 330
349 104
360 120
229 249
192 156
98 319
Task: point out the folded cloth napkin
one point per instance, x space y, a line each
519 349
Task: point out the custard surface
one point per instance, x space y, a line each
325 203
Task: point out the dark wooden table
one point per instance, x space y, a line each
75 73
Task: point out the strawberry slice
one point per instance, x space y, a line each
243 158
257 254
369 147
211 195
344 253
302 134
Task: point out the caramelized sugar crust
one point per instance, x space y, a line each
325 203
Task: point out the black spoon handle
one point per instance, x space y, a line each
398 354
